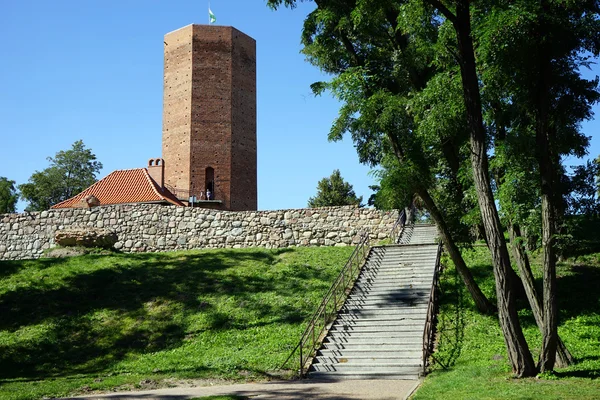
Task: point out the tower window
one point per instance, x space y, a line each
210 183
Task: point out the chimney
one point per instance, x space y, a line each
156 169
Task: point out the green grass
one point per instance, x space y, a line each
219 398
126 321
471 357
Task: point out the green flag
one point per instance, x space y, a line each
211 17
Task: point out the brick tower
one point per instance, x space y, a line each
209 116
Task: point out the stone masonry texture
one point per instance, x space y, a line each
154 227
209 115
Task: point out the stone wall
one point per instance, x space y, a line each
151 227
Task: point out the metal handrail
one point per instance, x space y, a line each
429 330
330 305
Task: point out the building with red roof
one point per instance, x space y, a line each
129 186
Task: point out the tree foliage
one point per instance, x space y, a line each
334 191
8 196
70 172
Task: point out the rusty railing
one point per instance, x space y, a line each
432 309
330 305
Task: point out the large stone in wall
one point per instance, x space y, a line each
85 237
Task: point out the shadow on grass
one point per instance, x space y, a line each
450 321
10 267
578 291
137 298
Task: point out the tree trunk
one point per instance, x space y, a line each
482 303
550 311
518 350
563 356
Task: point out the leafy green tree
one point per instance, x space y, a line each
386 56
582 190
8 196
334 191
69 173
537 49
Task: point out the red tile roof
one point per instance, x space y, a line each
123 187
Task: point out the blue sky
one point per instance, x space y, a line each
93 70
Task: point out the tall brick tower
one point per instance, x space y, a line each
209 116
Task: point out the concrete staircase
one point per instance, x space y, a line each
418 234
378 333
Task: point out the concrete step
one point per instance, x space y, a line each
383 329
389 277
379 293
391 285
420 263
374 336
391 289
414 340
412 255
367 322
367 360
407 258
424 282
397 348
382 277
377 375
403 260
397 367
405 309
367 289
388 294
383 311
395 279
349 319
409 251
426 266
391 295
405 302
372 352
380 320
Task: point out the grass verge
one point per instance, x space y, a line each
471 360
126 321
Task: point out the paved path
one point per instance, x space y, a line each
282 390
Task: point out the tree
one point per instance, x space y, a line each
542 103
69 173
334 191
8 196
518 66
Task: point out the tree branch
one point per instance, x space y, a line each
443 9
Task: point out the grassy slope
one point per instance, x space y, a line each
473 347
131 320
